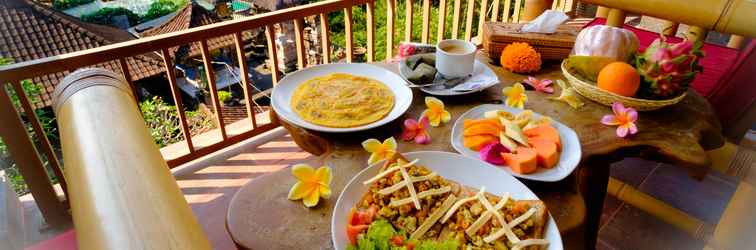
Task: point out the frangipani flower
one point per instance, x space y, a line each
540 85
516 96
416 130
568 95
378 150
311 185
624 118
436 113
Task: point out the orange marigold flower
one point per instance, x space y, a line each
520 58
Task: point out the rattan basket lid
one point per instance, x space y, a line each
510 32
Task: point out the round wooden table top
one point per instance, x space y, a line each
261 217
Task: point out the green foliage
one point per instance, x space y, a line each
359 28
105 16
66 4
161 8
164 124
224 96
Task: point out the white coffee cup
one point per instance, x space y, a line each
455 58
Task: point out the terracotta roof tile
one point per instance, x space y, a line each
31 31
191 16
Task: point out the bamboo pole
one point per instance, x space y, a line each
324 41
123 195
669 28
455 19
424 36
370 31
616 18
348 34
441 20
696 33
534 8
725 16
408 21
602 12
626 193
390 13
736 42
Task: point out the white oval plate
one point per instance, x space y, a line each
464 170
281 97
568 158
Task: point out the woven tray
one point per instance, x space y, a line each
555 46
589 90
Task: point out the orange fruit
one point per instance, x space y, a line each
619 78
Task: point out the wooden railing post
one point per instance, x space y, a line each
616 18
123 195
696 33
390 13
21 148
534 8
669 28
602 12
736 42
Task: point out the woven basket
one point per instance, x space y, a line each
557 46
589 90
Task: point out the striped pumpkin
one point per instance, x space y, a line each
605 41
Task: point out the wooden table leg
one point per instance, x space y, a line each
592 183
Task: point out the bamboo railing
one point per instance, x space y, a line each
123 195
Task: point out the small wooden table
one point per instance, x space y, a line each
261 217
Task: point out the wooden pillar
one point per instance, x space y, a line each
736 42
669 28
21 148
696 33
123 195
534 8
602 12
616 18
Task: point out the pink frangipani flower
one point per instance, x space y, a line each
416 130
624 118
540 85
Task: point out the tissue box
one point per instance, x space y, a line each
552 47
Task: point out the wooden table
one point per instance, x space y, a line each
260 216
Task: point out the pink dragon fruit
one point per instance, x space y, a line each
668 69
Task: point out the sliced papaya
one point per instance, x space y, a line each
482 129
546 152
522 162
545 132
471 122
475 142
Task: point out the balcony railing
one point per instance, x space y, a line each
28 155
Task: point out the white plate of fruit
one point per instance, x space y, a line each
524 143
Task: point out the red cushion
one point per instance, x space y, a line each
64 241
717 60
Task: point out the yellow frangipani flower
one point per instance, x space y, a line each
378 150
436 113
515 95
568 95
311 185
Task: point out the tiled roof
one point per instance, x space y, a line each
191 16
32 31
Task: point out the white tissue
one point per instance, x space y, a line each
546 23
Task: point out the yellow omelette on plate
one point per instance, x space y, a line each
342 100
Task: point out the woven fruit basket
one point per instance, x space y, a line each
589 90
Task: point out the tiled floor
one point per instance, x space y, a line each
209 185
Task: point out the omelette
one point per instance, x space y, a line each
342 100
